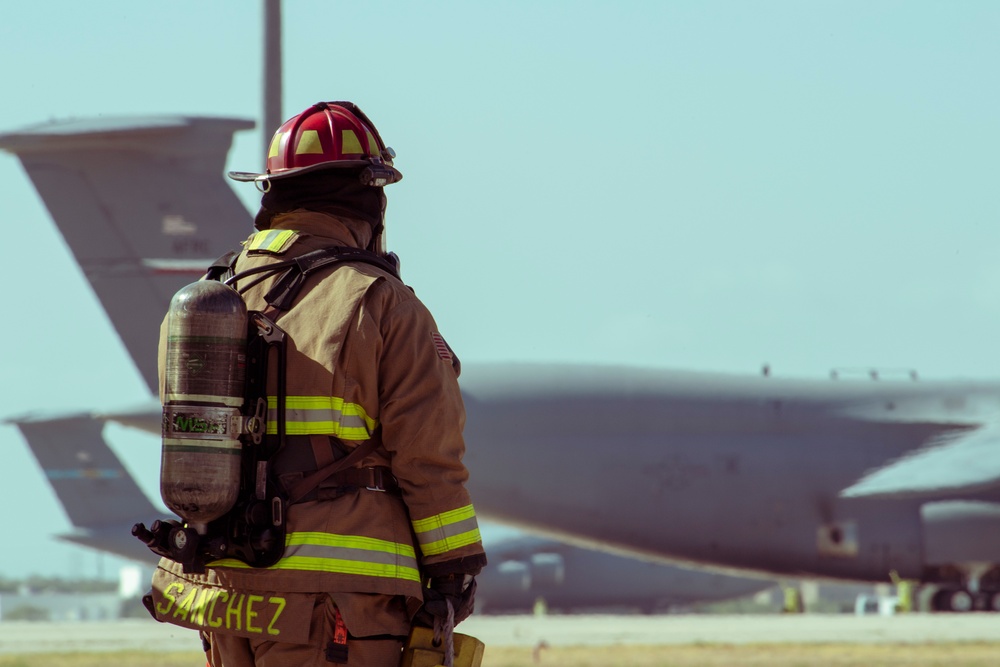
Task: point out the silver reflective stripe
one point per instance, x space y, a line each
444 532
305 415
272 240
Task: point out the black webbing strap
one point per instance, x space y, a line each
280 297
282 294
222 268
309 483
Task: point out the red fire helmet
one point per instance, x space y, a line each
324 136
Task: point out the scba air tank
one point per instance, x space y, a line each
204 374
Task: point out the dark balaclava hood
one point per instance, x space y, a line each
334 191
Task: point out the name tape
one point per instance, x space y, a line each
284 618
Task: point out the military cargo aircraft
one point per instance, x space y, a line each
837 478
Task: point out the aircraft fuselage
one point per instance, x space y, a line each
739 472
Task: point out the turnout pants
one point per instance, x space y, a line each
329 645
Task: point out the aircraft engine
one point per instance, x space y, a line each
547 569
511 575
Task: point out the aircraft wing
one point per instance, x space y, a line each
143 206
964 462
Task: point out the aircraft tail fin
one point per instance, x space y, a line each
90 481
142 204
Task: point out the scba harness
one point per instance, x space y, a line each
221 474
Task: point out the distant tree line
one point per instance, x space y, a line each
40 584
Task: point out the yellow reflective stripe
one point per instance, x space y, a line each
314 564
444 519
447 531
349 143
328 415
449 543
273 150
309 143
372 144
271 240
342 554
331 565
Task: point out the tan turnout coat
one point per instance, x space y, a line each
364 353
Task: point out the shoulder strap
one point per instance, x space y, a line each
286 288
223 268
296 270
280 297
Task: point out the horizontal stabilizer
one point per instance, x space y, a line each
117 540
142 204
146 417
90 481
957 464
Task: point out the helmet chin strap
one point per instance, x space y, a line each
377 246
377 243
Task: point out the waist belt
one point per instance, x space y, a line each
306 457
350 480
371 478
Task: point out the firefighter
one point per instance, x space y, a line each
393 540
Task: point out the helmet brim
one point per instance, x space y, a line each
249 176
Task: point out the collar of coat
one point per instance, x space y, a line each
339 230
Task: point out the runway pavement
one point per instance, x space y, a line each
744 629
26 637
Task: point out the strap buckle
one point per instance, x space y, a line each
377 480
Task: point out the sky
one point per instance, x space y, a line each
695 185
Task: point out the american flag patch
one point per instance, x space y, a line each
441 347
